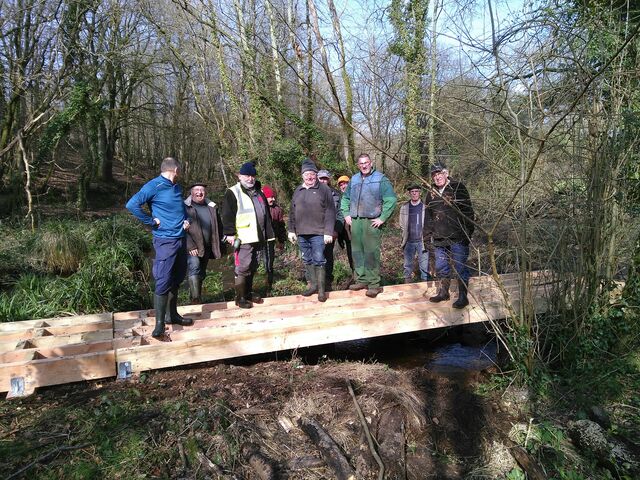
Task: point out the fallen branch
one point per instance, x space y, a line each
329 450
367 432
46 457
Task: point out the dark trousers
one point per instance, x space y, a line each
246 259
328 267
170 264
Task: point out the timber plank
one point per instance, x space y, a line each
55 322
40 373
309 308
403 289
276 305
305 333
55 331
68 349
55 341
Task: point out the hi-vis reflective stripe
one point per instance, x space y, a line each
246 221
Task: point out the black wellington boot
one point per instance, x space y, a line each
195 289
241 299
443 291
462 300
321 274
173 317
160 306
312 277
252 297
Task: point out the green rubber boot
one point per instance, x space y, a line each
173 317
312 277
195 289
321 275
160 306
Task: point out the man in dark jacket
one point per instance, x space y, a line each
449 221
246 222
168 221
204 237
312 218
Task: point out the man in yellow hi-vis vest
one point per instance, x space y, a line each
246 222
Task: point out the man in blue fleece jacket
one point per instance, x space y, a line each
168 222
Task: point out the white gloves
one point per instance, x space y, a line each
292 237
328 239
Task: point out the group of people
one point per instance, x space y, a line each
187 233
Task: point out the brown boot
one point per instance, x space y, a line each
443 291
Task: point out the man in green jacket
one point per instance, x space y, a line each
367 204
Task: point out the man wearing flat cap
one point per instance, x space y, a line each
246 222
411 221
204 237
449 221
312 219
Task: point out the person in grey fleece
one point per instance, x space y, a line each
312 219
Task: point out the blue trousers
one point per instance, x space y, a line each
312 249
411 249
457 253
170 264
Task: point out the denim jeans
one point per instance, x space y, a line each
312 249
411 249
458 252
197 266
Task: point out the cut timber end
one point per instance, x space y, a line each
54 351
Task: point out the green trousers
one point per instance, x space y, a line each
365 245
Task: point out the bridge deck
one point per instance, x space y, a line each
37 353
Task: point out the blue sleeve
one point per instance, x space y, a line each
135 203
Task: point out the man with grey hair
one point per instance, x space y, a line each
168 221
448 220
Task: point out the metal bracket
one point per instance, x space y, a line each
124 370
17 387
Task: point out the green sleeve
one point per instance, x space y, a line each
345 201
389 199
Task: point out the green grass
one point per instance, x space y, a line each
74 267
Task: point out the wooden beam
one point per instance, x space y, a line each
68 349
40 373
55 322
55 341
203 345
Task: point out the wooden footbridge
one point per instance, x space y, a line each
38 353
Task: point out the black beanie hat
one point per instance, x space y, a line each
308 166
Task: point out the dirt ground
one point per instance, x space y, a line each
249 422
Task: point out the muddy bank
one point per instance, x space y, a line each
227 421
